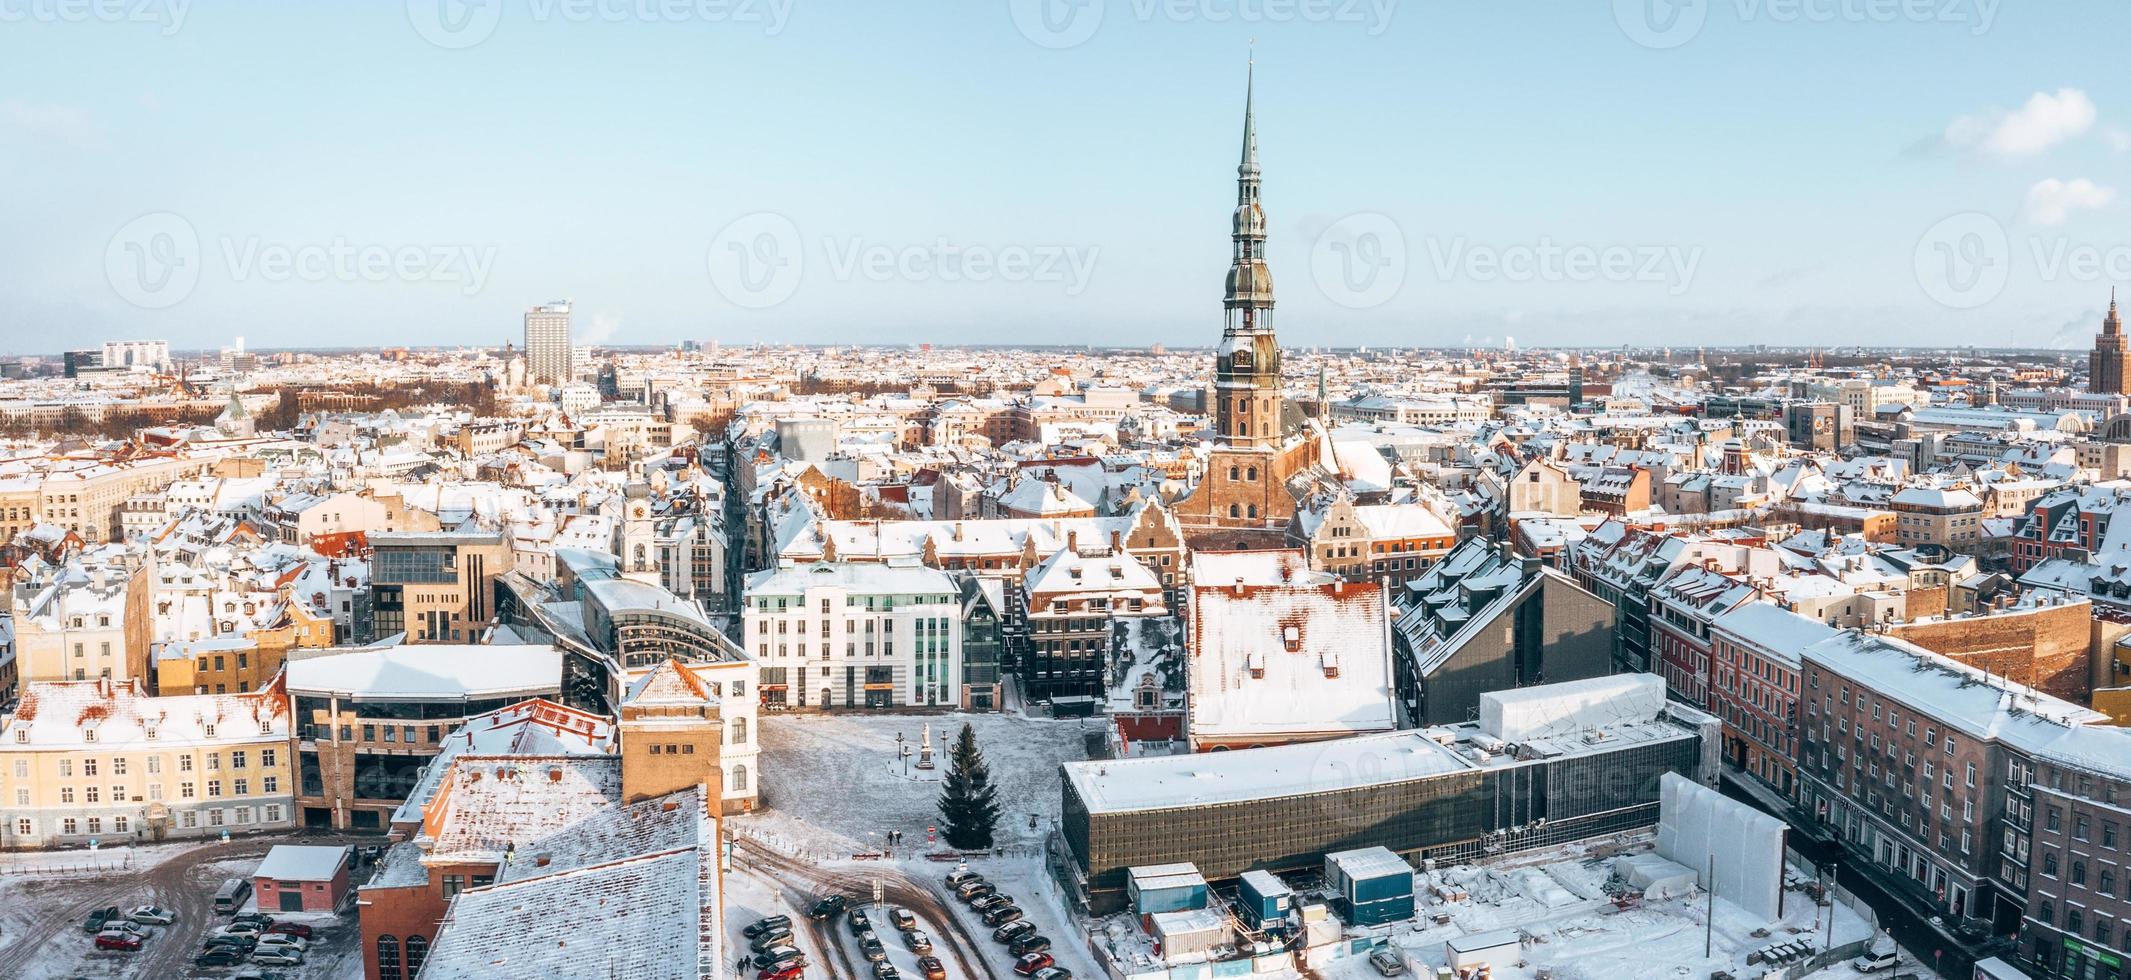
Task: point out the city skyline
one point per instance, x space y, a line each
1447 177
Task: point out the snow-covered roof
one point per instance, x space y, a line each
431 671
1551 710
1279 650
303 862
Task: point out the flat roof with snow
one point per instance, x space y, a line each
1199 779
302 862
436 671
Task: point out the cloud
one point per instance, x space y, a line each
46 123
2118 138
2045 121
604 327
2049 202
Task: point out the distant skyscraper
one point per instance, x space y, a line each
547 344
2105 366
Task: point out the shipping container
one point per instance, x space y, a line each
1158 888
1262 898
1370 885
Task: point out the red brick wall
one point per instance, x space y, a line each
2044 648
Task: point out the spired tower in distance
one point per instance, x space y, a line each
1260 442
2105 364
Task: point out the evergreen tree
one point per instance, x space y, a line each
968 802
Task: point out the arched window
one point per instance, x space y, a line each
739 731
1251 474
1233 473
1233 511
388 958
417 950
739 779
1253 511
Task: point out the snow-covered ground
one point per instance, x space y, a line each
833 784
1573 935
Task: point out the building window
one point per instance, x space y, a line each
738 782
388 958
417 950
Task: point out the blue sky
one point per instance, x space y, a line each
1777 171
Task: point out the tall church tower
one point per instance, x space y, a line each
2106 364
1247 364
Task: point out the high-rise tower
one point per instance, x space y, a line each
2112 349
548 358
1247 364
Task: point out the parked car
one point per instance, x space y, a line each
244 943
118 939
1028 942
1029 963
1054 973
903 920
991 901
859 921
297 929
232 895
932 968
151 915
1013 930
1387 962
918 942
956 877
885 970
793 972
129 928
219 956
828 905
1002 915
278 956
252 929
371 853
281 941
1873 962
762 925
776 937
96 920
975 889
779 957
261 918
870 945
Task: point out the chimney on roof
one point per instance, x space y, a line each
1073 541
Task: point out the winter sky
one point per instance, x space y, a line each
956 171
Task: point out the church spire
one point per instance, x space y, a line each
1248 168
1247 363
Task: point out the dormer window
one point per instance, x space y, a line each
88 734
208 730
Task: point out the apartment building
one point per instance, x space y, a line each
1755 688
1073 599
435 586
82 621
100 760
1683 606
856 635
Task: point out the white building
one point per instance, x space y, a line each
547 344
837 635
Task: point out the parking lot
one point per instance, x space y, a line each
46 897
